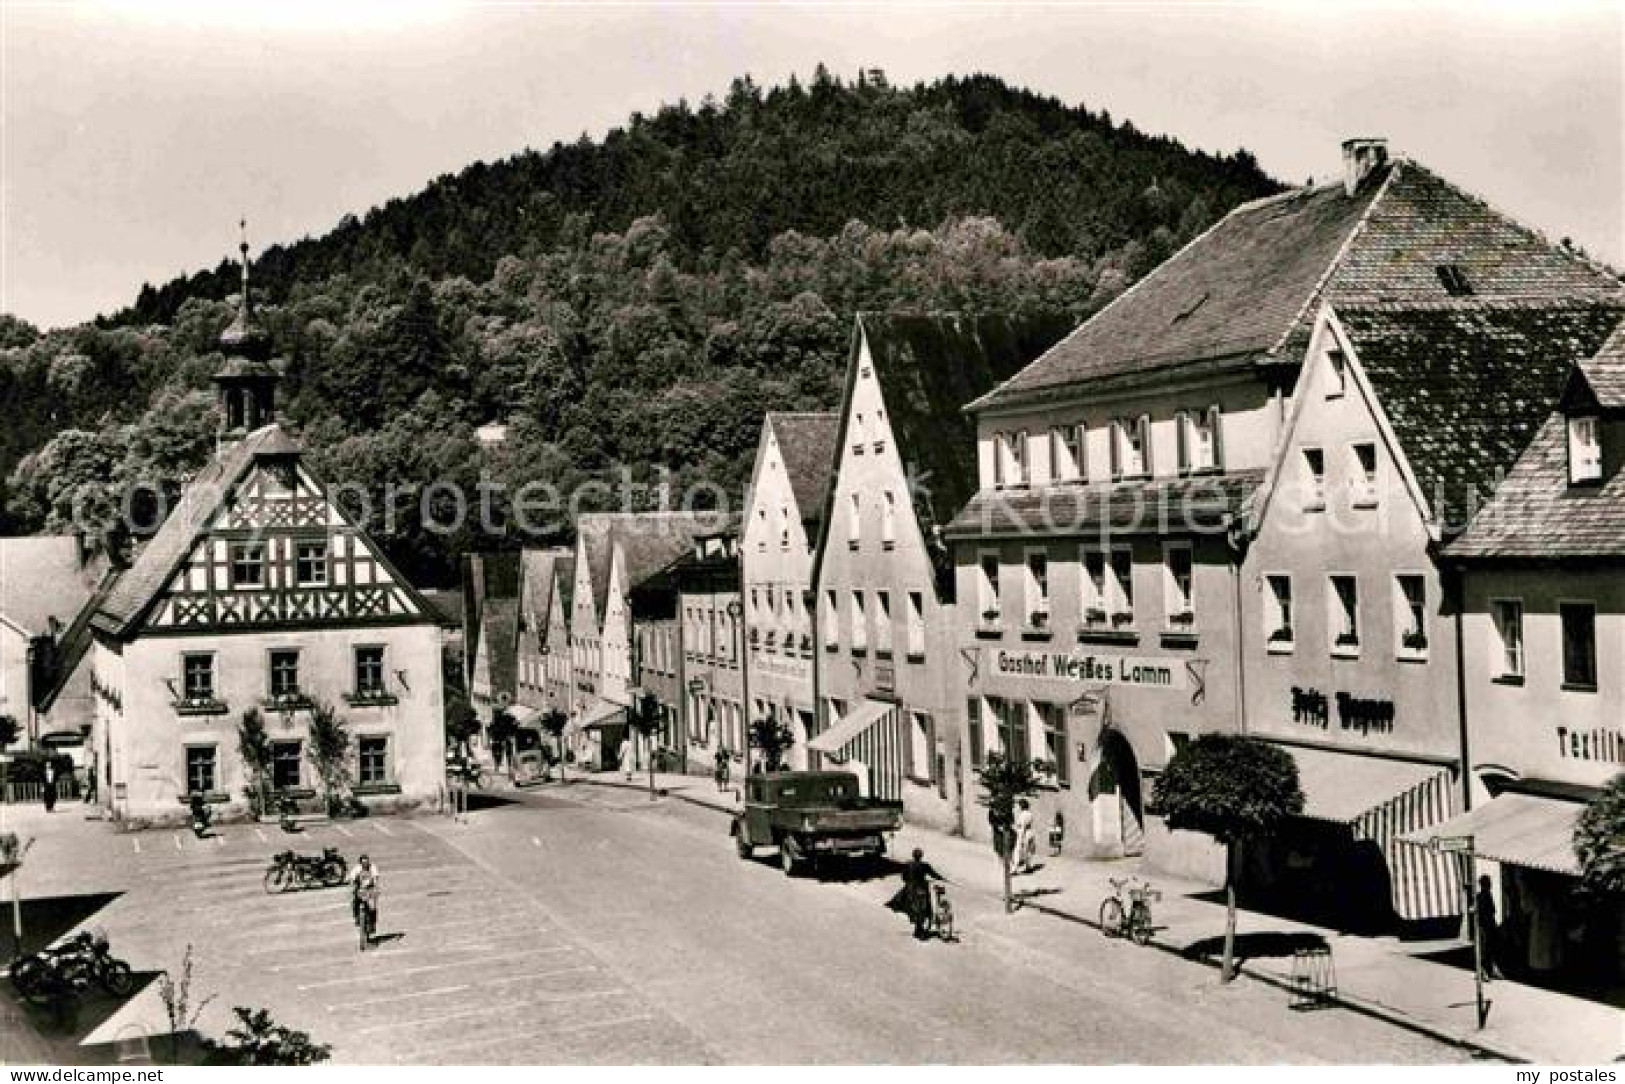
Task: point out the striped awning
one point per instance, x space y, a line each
869 734
1382 800
595 715
1527 830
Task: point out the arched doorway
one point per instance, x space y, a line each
1115 798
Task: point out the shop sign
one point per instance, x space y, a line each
1133 671
1595 744
1360 714
785 668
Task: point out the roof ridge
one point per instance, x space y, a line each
1395 166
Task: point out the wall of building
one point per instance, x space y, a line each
1539 728
147 738
14 679
857 558
713 694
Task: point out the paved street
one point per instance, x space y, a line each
591 925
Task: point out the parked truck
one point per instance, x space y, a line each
812 815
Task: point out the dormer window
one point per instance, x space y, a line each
1585 451
1338 381
1198 439
1130 437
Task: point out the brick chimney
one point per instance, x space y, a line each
1362 156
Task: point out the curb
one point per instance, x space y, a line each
1359 1005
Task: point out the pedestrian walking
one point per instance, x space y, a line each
1022 853
1489 932
625 758
49 793
90 780
721 770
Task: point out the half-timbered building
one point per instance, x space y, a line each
258 593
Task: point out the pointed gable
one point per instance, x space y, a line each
807 445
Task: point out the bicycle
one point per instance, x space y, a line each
366 915
1134 921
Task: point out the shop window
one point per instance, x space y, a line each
1278 634
1343 605
200 769
1508 663
310 564
1579 645
1410 616
372 755
248 564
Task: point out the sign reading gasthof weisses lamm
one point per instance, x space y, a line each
1136 671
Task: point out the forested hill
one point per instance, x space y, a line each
640 300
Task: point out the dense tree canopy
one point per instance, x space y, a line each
637 302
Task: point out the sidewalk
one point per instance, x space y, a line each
1378 976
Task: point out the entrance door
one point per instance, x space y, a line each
1114 791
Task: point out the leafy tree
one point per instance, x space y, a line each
329 752
501 733
1237 790
462 723
254 747
9 730
1004 780
1599 840
774 738
259 1040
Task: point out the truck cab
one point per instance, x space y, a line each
809 816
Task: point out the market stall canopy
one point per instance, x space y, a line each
1526 830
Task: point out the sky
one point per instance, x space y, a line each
135 135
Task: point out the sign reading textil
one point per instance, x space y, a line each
1136 671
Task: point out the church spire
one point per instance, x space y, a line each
244 337
247 381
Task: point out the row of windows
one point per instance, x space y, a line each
1578 621
860 605
1343 621
199 670
1107 586
888 521
1361 475
1197 449
1022 730
310 564
374 764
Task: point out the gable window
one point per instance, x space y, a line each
784 527
857 435
248 564
1198 440
1337 381
1579 645
1278 613
1363 479
888 522
198 677
1585 450
916 625
1343 613
310 564
201 764
1177 566
1066 453
1314 470
372 758
284 673
879 441
989 587
855 524
1130 438
831 622
860 625
1018 458
286 757
369 671
1508 614
883 624
1410 615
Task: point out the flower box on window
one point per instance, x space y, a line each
370 698
1122 617
990 616
286 702
1182 619
1281 636
200 705
1347 639
1038 619
1094 615
1415 640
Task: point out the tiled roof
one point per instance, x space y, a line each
1171 506
40 578
543 572
1466 384
447 607
807 445
1247 290
929 368
646 541
1604 373
164 552
499 627
73 646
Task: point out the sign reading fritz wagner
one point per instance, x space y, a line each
1135 671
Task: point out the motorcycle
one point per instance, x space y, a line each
202 819
286 811
289 870
62 972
